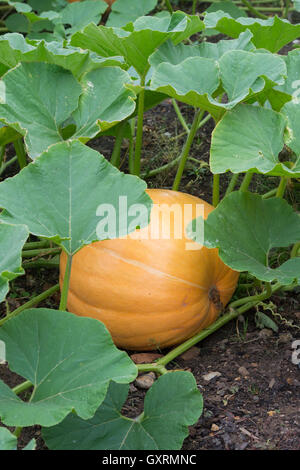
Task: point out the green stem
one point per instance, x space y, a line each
246 181
41 264
295 249
115 156
39 252
35 245
216 190
282 186
153 367
180 116
65 287
204 120
211 329
131 145
269 193
139 131
5 165
20 151
194 7
232 183
169 6
31 303
253 10
253 298
286 9
22 387
2 153
186 148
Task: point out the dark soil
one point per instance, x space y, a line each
254 401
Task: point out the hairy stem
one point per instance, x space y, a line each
139 131
246 181
115 156
180 116
216 190
282 186
232 183
20 151
186 148
253 10
65 287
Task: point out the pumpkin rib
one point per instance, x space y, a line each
152 270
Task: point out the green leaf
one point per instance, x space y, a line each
69 360
271 34
104 102
35 100
249 138
58 195
125 11
171 405
12 239
14 48
139 40
196 79
38 98
245 227
193 81
172 54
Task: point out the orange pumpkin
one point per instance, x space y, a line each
151 293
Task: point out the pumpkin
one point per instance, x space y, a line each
151 293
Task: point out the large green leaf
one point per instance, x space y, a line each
196 79
69 360
58 195
14 48
104 102
12 239
125 11
271 34
37 98
171 405
139 40
250 138
174 55
245 227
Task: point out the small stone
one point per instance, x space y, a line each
211 375
272 383
243 371
265 333
285 338
191 353
145 381
145 358
214 427
132 388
